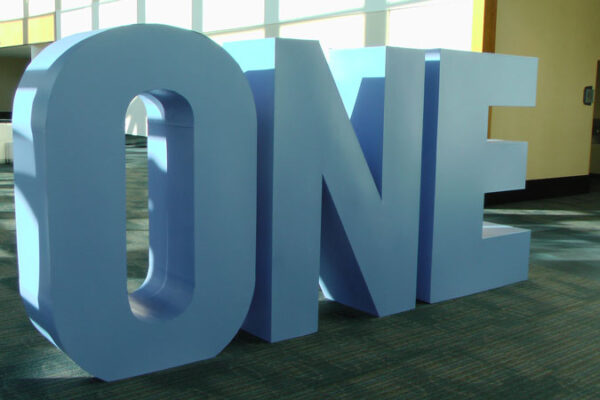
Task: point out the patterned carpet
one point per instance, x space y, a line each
534 340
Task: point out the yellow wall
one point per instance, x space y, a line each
11 70
11 33
565 35
41 29
478 25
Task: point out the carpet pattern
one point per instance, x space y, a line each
537 339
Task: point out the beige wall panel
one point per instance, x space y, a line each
565 35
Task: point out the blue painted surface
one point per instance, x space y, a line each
338 193
458 253
289 170
68 126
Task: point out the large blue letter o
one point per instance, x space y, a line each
70 198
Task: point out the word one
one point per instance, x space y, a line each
271 171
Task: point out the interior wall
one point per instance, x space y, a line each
565 36
595 157
11 70
597 93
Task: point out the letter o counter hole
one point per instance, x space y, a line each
159 193
136 168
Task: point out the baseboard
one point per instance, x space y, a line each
542 189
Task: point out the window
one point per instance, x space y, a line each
76 21
11 9
236 36
40 7
294 9
71 4
433 24
333 33
117 13
219 14
176 13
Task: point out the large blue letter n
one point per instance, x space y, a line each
338 199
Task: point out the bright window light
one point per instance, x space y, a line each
76 21
293 9
71 4
136 118
40 7
237 36
333 33
176 13
436 24
219 14
117 13
41 29
11 9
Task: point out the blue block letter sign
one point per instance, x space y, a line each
458 253
365 176
70 198
338 198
